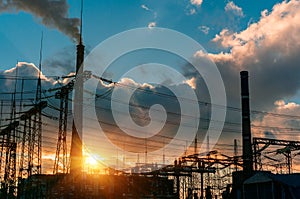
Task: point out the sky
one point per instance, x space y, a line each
261 37
102 19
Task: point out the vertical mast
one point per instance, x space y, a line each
39 114
76 143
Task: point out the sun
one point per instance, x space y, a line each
90 160
93 162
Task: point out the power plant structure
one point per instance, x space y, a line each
230 171
193 175
76 144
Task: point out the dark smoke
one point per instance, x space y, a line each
53 14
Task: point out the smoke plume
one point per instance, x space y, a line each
52 13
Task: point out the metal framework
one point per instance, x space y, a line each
62 160
261 144
191 174
9 148
9 183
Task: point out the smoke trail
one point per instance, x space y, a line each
53 13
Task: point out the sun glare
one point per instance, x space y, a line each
91 161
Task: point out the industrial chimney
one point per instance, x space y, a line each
246 126
76 143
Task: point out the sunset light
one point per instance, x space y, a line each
91 161
150 99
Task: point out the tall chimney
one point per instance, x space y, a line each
246 128
76 143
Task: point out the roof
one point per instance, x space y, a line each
260 177
292 180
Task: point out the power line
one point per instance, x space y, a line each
149 91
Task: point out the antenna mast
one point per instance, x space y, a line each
80 31
38 116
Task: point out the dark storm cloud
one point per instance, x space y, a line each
52 13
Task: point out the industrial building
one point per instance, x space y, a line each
263 185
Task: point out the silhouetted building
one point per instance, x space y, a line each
266 185
98 186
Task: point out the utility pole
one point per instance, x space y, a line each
235 151
10 177
63 95
195 146
2 138
29 163
38 115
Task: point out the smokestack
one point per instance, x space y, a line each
76 143
246 128
53 14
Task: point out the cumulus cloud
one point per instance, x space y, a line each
144 111
191 82
231 7
278 127
196 2
30 73
192 6
8 84
152 25
269 50
24 69
270 28
131 82
226 38
287 126
204 29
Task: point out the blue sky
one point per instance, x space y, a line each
238 35
20 31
